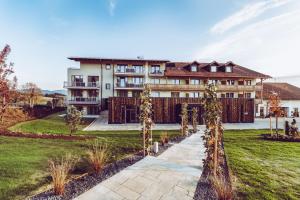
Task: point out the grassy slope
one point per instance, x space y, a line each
264 169
23 161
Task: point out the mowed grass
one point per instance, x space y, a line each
263 169
24 161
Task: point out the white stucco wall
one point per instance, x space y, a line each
290 104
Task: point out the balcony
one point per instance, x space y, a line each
174 87
81 85
131 86
129 72
83 100
156 73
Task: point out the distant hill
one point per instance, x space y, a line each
64 92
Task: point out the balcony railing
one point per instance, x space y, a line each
130 85
156 73
174 87
81 85
130 71
83 100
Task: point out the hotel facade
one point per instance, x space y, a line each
115 85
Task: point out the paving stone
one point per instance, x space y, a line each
128 194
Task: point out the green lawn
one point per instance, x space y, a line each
23 161
263 169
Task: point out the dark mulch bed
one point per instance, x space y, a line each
281 138
44 136
205 189
78 186
163 148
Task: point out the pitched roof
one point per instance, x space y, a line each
117 60
286 91
181 69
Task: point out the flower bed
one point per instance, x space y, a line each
44 136
206 189
78 186
282 138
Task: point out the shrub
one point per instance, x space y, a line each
164 138
59 170
97 156
73 119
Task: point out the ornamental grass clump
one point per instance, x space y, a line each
223 189
97 156
164 138
59 171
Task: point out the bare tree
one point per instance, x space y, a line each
31 93
8 92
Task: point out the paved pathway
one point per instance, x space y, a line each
172 175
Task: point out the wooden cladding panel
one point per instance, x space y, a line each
167 110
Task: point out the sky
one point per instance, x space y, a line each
263 35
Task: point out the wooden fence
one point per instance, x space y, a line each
167 110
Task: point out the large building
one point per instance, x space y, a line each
99 79
289 96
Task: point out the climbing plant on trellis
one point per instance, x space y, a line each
214 130
194 119
184 119
146 119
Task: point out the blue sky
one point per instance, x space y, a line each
260 34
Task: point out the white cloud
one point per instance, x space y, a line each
270 46
112 7
247 13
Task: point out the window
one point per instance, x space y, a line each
121 68
107 86
155 69
155 94
93 81
195 82
213 68
175 94
228 69
77 80
108 67
122 93
194 68
230 82
155 81
93 93
175 81
223 96
248 82
194 94
229 95
248 95
138 69
240 82
136 94
76 93
137 80
215 82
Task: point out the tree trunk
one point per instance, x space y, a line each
144 127
277 126
216 149
271 125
